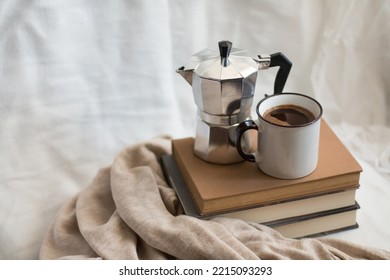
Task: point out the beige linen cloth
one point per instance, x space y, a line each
130 212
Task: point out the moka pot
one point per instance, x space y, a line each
223 86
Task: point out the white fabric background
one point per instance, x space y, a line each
80 80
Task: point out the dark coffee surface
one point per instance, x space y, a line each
289 115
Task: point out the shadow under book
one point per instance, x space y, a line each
320 203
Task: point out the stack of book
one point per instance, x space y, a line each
320 203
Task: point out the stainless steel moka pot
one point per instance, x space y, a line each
223 85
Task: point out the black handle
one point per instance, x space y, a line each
224 48
279 59
241 128
224 51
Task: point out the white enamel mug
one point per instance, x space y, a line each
285 152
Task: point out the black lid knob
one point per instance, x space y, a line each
225 48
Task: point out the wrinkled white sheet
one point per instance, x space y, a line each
82 79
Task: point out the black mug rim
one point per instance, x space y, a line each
289 93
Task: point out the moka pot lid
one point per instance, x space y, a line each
227 64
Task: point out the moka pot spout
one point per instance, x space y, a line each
186 74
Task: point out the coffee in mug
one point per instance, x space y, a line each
288 115
288 127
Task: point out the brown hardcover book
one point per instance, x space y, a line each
267 213
219 188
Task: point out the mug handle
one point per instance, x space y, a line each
241 128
